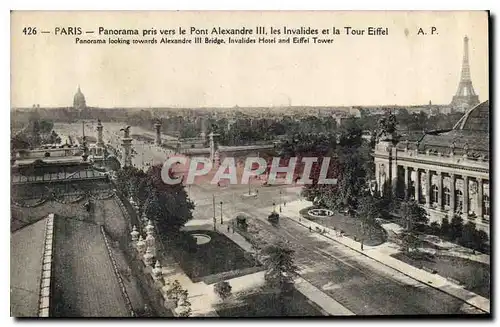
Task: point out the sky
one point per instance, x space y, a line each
402 68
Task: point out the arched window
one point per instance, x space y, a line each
486 203
447 196
434 194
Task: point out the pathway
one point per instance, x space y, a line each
382 254
314 294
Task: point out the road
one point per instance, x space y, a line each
144 154
361 284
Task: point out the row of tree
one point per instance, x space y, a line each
167 205
35 133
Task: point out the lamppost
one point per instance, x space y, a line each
221 221
280 200
215 221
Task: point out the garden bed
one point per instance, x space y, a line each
473 275
351 226
264 303
218 256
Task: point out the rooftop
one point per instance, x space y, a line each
85 284
469 135
26 253
476 119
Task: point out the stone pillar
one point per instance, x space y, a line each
406 182
150 243
479 198
417 185
452 194
394 172
127 158
377 177
158 133
141 245
427 188
148 257
465 192
158 273
149 227
134 234
440 190
100 142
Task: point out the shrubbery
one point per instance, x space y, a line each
466 235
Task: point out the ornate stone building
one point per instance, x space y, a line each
446 172
79 100
80 105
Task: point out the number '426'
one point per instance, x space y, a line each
29 31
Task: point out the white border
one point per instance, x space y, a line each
6 6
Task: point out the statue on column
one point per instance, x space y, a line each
466 149
387 127
126 131
452 148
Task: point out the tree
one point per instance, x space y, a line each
280 267
280 270
54 138
468 237
167 205
183 308
435 228
223 290
412 214
445 228
174 291
409 241
456 227
369 210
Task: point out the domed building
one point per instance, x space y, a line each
447 172
79 100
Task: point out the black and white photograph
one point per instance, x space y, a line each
249 164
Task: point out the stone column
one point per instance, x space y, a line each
406 182
465 192
479 198
452 194
417 185
440 190
158 133
100 141
394 172
378 175
427 188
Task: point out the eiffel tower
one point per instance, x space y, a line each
465 98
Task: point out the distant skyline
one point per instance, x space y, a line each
398 69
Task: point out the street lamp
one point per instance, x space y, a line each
215 221
280 200
221 221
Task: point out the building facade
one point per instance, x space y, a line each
448 172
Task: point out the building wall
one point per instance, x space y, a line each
433 170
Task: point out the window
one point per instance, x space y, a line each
486 203
447 197
459 201
434 194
